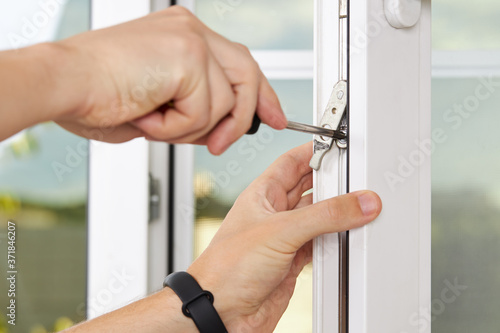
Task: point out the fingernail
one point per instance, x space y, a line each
368 203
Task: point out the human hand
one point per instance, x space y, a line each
128 73
253 261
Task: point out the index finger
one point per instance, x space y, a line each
268 106
232 57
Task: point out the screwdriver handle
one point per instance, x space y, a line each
255 125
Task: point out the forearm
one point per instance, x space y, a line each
160 312
38 83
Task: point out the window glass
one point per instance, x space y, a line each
43 189
219 180
261 24
466 168
466 205
465 25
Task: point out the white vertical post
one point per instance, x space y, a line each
184 201
118 200
389 153
326 179
158 227
183 207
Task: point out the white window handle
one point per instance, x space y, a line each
402 13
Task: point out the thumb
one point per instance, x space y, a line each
341 213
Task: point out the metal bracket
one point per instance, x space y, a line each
154 198
402 13
332 117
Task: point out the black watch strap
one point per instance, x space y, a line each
196 302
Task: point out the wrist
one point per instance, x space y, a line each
216 287
38 84
171 307
63 73
197 302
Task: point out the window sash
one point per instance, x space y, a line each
389 107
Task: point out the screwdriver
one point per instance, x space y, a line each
294 126
305 128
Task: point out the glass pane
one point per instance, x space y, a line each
465 174
466 205
43 189
261 24
219 180
465 25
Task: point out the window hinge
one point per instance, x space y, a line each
333 118
154 198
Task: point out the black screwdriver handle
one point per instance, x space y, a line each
255 125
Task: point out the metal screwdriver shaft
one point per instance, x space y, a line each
322 131
315 130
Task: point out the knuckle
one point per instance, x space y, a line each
244 48
179 10
251 70
252 66
195 45
225 103
184 20
192 46
248 64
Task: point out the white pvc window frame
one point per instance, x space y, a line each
389 107
118 200
326 179
128 255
